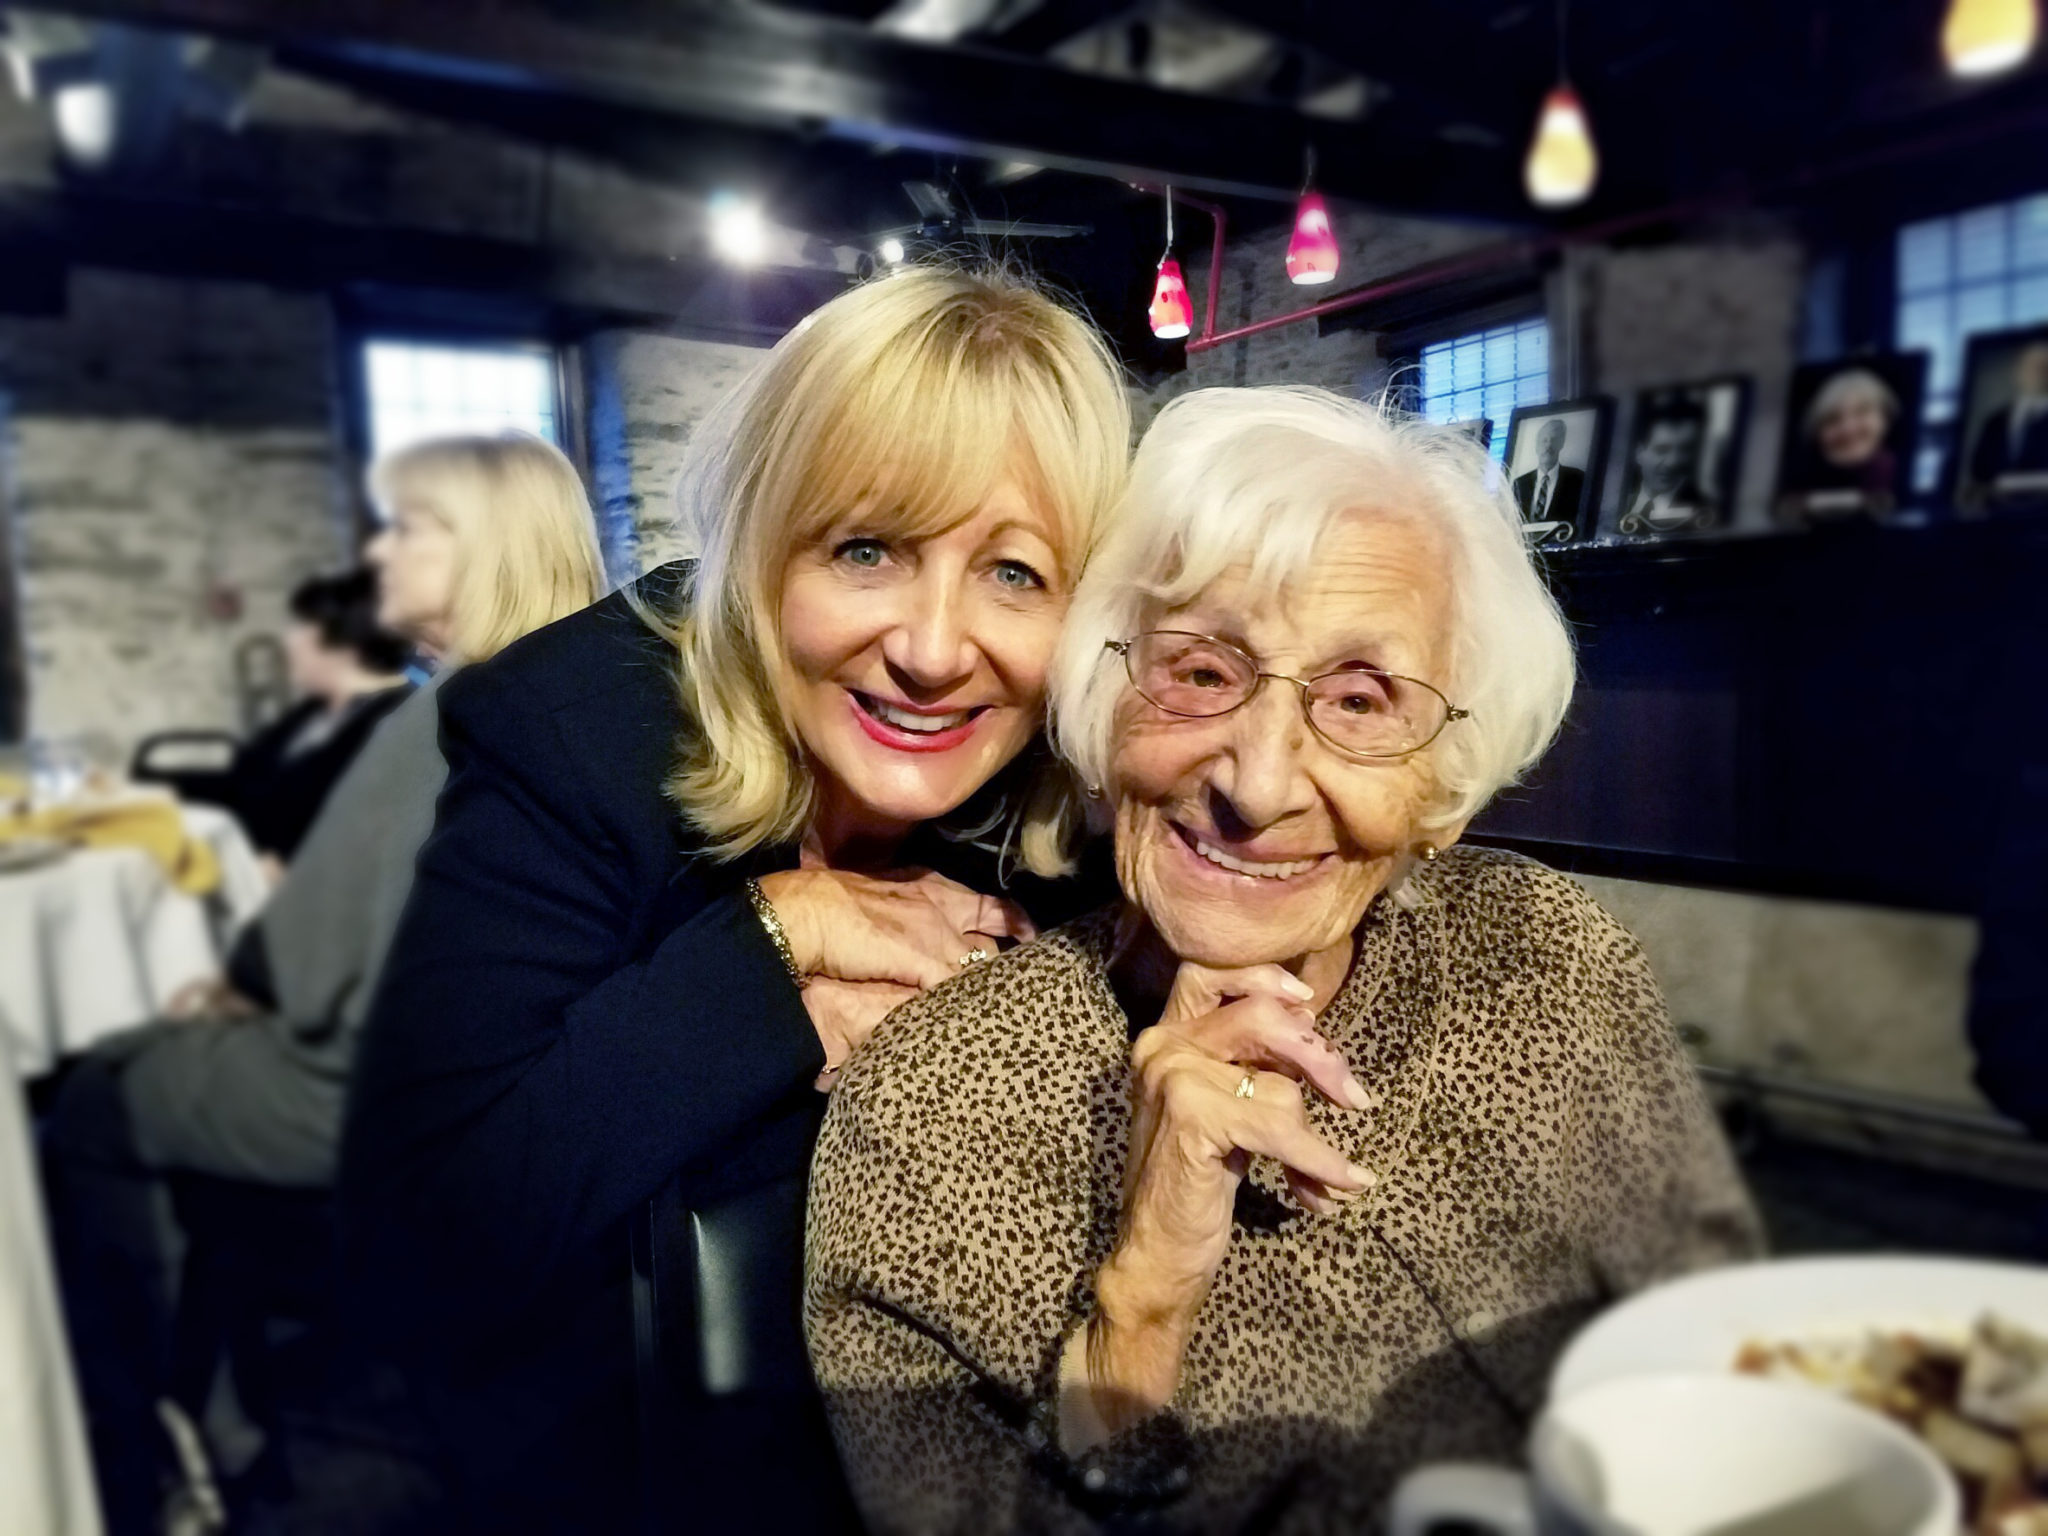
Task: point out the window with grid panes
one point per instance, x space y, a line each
1983 270
416 390
1486 374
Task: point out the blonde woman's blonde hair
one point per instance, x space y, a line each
525 539
912 395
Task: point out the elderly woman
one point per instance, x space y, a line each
1297 1166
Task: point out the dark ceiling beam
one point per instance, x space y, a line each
151 233
1052 22
832 188
815 75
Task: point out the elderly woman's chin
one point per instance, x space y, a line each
1222 902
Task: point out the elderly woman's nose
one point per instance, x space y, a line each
929 640
1261 773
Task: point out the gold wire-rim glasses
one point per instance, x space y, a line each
1128 649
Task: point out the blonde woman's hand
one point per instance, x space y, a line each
845 1013
1194 1130
865 943
911 926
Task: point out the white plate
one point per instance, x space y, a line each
1700 1322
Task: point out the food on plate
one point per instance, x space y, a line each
1980 1401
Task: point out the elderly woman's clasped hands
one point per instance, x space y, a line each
1220 1079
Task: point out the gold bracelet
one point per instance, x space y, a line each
764 909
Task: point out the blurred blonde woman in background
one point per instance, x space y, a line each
692 850
484 540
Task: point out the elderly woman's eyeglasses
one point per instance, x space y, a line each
1362 711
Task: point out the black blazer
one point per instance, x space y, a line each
577 1011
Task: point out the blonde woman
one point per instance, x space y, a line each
694 846
484 539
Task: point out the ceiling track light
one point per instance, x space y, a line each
739 231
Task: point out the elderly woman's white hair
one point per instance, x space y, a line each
1230 477
1850 384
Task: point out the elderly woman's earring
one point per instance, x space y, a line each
1427 852
1094 791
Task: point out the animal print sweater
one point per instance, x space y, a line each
1542 1144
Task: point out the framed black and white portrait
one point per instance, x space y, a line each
1555 455
2000 457
1850 430
1684 451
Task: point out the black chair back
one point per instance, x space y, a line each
732 1435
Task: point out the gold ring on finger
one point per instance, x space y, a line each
1246 1087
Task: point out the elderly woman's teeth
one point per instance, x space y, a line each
1231 862
904 720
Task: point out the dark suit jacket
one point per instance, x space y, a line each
1993 454
576 1009
1564 497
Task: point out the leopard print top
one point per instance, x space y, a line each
1543 1147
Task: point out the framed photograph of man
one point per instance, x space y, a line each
2000 457
1555 454
1850 430
1685 447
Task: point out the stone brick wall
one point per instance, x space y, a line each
171 443
646 393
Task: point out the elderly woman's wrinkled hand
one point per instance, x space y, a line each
1217 1081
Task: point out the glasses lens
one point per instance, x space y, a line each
1190 674
1376 714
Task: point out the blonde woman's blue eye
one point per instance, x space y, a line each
866 554
1015 573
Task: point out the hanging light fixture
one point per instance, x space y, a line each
1563 165
1312 252
1983 37
1173 312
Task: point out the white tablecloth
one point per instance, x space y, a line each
101 940
45 1470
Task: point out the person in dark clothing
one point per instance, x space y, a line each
693 847
351 672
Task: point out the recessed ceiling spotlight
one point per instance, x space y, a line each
891 251
739 230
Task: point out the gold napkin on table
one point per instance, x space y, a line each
149 822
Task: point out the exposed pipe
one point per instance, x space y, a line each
1506 253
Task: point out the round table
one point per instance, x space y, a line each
100 940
